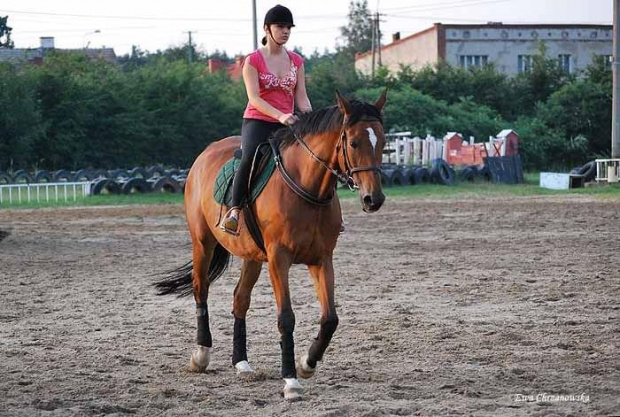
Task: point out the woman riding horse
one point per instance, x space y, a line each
274 81
297 213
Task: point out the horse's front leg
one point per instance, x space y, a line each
279 264
250 271
323 279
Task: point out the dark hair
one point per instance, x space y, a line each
264 40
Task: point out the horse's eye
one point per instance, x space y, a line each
354 144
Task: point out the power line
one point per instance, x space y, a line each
180 19
85 29
446 5
127 17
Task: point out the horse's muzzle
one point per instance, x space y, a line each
372 202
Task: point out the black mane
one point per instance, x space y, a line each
324 120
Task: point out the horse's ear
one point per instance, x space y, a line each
380 103
344 105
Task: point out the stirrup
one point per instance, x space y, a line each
230 224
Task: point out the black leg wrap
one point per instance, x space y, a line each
239 342
204 334
320 344
288 356
286 324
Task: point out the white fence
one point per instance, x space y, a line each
47 191
402 149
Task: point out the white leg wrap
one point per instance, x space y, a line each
200 359
303 369
292 389
243 367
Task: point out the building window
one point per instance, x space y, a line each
609 59
473 61
566 63
525 63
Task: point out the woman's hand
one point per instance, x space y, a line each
288 119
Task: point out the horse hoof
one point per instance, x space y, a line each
303 369
200 359
243 368
293 389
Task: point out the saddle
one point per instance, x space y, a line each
263 167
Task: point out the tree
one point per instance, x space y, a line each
5 32
537 84
357 34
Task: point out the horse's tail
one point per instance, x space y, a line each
179 280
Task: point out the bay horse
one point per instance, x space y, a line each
298 214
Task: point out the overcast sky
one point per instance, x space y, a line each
227 25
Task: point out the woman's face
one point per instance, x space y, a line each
279 31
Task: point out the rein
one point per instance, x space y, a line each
345 177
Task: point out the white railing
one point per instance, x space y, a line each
402 149
607 170
46 191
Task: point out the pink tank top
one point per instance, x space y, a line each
279 92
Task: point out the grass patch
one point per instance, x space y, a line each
103 200
467 189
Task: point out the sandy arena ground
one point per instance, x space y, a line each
461 306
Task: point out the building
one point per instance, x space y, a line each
234 71
509 47
36 55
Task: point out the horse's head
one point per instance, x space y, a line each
362 141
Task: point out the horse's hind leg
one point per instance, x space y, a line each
250 271
323 279
202 253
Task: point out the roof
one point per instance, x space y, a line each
22 54
505 133
14 55
493 25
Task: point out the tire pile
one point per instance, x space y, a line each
119 181
587 171
439 173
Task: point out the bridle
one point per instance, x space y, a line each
349 170
343 176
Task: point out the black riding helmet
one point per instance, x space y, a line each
277 14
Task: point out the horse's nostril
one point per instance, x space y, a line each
367 200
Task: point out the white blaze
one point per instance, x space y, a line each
372 137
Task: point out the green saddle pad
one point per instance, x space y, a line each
222 191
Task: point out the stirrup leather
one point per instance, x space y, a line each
230 224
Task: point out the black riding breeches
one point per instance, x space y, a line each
253 133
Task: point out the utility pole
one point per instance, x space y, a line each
615 116
189 48
372 72
254 25
378 37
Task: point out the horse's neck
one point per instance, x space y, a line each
308 172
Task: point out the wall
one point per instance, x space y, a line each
503 44
416 50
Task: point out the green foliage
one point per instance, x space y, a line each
410 110
329 75
5 33
73 112
20 119
357 34
580 108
